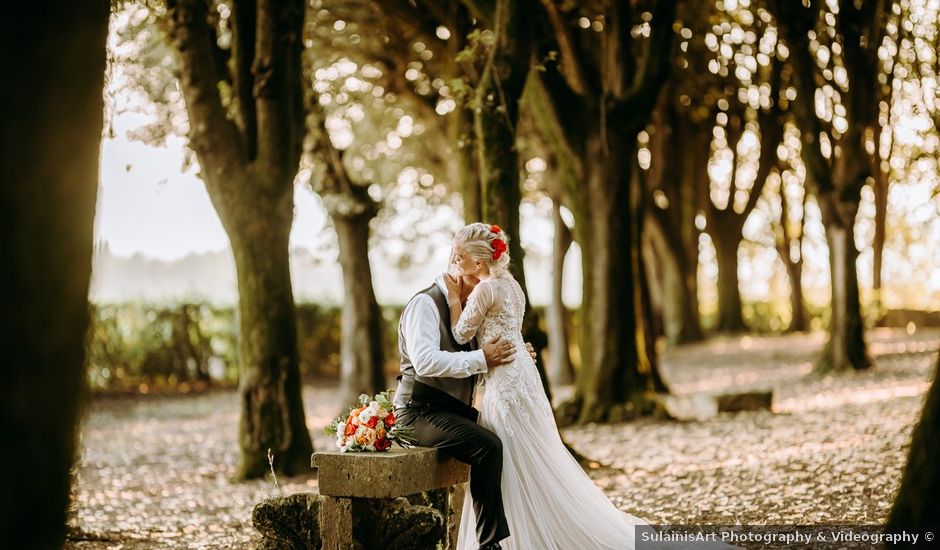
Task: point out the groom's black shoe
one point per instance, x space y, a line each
491 546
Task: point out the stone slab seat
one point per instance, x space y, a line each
394 473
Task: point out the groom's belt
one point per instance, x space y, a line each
439 401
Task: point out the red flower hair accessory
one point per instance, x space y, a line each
499 246
495 229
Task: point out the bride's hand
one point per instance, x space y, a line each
453 287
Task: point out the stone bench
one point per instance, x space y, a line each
400 499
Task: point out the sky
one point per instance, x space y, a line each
148 205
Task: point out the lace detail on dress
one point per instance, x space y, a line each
494 309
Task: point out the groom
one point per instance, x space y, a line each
435 397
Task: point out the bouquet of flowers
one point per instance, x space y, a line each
370 426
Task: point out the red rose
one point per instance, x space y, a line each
499 246
495 229
382 444
350 429
389 420
372 422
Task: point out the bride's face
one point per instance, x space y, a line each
462 262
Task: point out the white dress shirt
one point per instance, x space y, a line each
421 322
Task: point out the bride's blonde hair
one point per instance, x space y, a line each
482 241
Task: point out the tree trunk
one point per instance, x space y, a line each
269 382
680 312
362 355
797 307
467 173
252 191
916 507
559 366
51 138
838 181
615 378
784 242
880 189
846 346
727 241
496 118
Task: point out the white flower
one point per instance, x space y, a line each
382 412
364 416
340 427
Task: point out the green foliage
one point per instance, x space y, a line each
144 347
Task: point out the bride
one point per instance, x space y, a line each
549 501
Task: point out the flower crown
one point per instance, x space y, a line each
499 245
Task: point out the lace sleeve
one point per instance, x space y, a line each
478 303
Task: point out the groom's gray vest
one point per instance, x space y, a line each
458 388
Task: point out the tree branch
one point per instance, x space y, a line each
654 67
212 135
570 66
243 53
276 69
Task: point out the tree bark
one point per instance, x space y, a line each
838 182
51 137
614 381
846 346
599 137
916 506
495 119
559 364
727 239
363 359
784 242
672 226
252 191
880 191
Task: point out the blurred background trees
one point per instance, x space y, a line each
668 170
684 144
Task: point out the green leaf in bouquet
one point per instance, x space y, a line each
364 399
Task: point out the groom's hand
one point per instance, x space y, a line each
498 352
531 350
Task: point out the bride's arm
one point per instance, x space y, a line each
465 322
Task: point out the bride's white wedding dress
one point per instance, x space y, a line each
549 501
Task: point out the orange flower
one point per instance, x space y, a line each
372 422
380 433
350 429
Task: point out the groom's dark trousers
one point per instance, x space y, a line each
439 420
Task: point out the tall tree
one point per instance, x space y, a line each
591 107
675 187
916 506
496 117
249 148
351 209
51 137
835 150
788 241
559 368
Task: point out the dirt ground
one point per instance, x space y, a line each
154 472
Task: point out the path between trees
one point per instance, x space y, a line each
154 472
